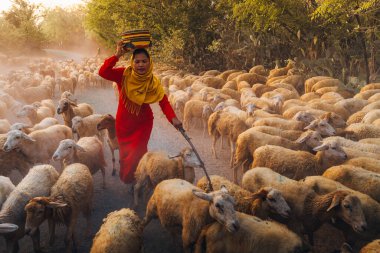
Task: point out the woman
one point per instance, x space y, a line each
138 88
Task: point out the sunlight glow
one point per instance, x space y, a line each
6 4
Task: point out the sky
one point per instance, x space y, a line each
6 4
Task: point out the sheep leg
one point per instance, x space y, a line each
151 211
235 169
104 176
113 161
12 245
188 241
136 192
232 151
36 241
51 232
215 138
69 237
87 214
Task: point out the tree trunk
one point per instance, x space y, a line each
364 46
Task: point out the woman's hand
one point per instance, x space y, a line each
120 49
176 123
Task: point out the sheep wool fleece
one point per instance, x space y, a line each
132 131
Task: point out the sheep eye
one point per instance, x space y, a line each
333 148
220 207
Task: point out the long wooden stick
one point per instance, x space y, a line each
199 158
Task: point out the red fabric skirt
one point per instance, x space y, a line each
133 138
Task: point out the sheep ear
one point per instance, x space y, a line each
56 204
7 228
71 102
304 137
335 202
202 195
312 125
321 147
79 148
27 137
326 116
261 194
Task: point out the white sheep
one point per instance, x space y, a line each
87 126
225 124
176 202
88 151
70 195
155 167
121 232
254 236
6 187
356 178
365 147
370 164
35 115
263 203
37 182
361 131
371 116
4 126
38 146
309 208
193 109
298 164
45 123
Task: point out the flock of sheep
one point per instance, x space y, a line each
304 151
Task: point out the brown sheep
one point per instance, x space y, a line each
121 232
70 196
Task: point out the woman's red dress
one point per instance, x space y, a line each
132 131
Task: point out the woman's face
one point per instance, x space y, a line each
141 63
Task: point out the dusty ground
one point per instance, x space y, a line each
116 195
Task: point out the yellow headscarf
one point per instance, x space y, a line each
139 89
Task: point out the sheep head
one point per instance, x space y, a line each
15 138
274 200
107 122
349 209
37 210
189 157
322 126
66 150
221 207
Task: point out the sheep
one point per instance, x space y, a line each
224 123
86 126
259 89
226 73
4 126
12 160
310 96
88 150
361 131
375 141
374 98
6 187
178 203
376 123
343 142
309 83
248 141
254 236
371 209
35 115
372 247
357 117
38 146
69 96
37 182
230 92
372 106
121 232
370 86
327 83
298 164
289 113
356 178
46 103
309 208
108 123
367 94
251 78
334 119
291 135
193 109
281 123
366 163
70 195
45 123
292 102
259 69
355 153
206 113
371 116
155 167
263 203
69 110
